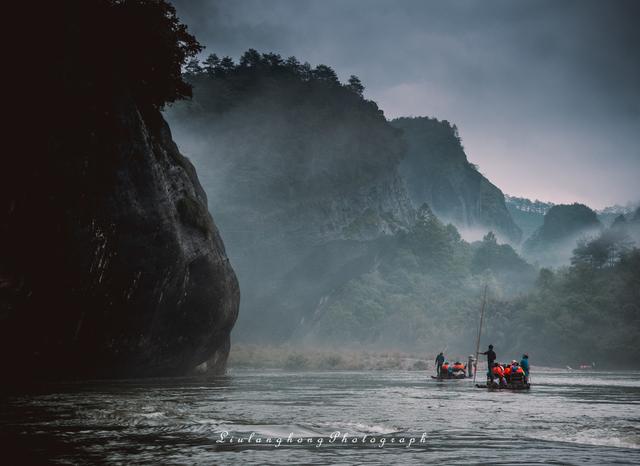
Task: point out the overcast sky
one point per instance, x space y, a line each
546 94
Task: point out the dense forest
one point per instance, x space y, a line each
581 314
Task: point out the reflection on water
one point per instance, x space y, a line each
574 418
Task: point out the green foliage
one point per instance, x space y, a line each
138 42
603 251
355 85
582 314
502 261
423 292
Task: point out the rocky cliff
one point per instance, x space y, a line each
114 266
111 265
437 172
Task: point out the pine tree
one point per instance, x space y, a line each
355 85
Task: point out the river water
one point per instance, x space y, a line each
566 418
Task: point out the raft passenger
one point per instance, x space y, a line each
498 372
444 370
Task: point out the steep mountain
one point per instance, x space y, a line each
111 265
552 244
528 215
298 168
437 172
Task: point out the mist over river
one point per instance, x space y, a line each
566 418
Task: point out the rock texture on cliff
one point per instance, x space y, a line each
437 172
115 267
111 264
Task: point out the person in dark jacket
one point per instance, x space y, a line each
491 359
439 362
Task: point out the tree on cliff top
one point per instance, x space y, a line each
138 43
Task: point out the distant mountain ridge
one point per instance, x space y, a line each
527 214
610 213
553 242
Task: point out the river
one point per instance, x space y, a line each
302 417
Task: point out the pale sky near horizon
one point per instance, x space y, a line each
545 93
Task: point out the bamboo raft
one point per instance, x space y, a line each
509 386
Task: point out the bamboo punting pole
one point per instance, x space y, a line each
484 301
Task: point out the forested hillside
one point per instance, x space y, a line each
292 161
423 290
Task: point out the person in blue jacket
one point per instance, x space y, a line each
524 363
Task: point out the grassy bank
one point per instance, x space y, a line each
296 358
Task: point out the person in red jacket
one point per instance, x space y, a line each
498 373
444 370
458 366
507 372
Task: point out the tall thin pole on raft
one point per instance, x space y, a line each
484 301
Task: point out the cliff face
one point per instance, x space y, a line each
111 263
438 173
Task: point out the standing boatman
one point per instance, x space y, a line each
439 362
470 366
491 359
